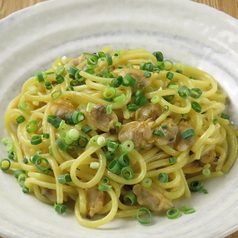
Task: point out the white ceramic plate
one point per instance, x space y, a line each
185 31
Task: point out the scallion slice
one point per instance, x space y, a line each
127 146
36 140
195 186
60 208
32 126
173 213
143 215
127 173
163 177
64 178
187 134
129 199
196 106
56 95
20 119
146 182
86 129
184 92
195 93
104 187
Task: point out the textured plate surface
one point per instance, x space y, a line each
185 31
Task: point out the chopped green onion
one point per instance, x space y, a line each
56 95
108 155
73 134
137 91
105 180
40 76
92 60
173 213
60 70
172 160
129 199
120 98
158 132
127 146
143 215
160 66
114 167
61 144
187 134
173 86
25 161
169 98
12 155
155 99
48 85
59 208
206 172
140 100
159 55
36 140
86 129
116 82
6 167
112 145
147 66
17 172
124 160
187 210
64 178
46 135
184 92
109 59
73 71
69 119
25 189
204 191
72 149
77 117
169 75
23 106
164 126
147 74
101 54
127 173
32 126
82 141
118 124
146 182
94 165
195 93
59 79
21 179
54 120
109 93
104 187
89 107
215 121
195 186
132 107
20 119
128 80
225 116
109 109
70 88
163 177
196 106
42 164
